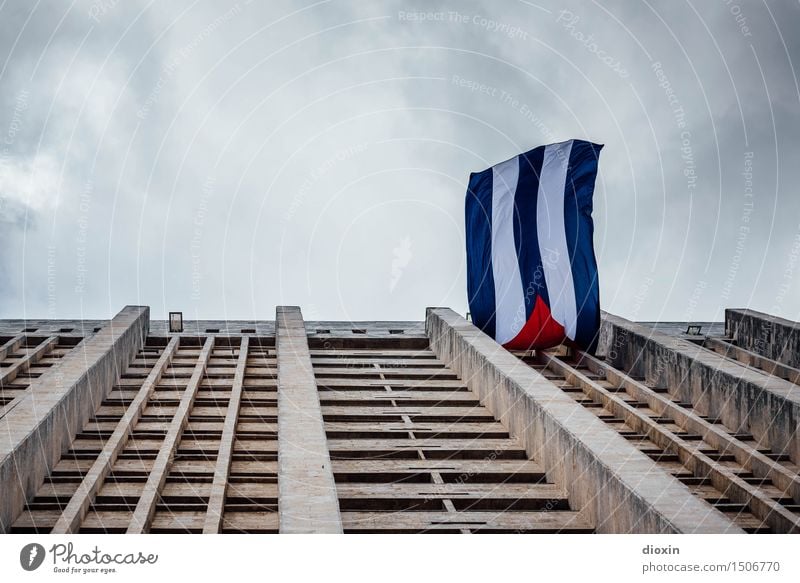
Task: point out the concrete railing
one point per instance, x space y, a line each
745 400
770 336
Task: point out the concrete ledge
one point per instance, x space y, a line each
746 400
619 488
40 428
307 498
770 336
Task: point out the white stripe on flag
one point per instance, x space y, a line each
508 292
553 236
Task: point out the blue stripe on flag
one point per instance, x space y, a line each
579 228
525 229
480 280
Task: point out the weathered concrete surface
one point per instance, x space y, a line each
325 329
745 400
39 429
146 507
770 336
721 476
222 469
22 365
11 345
307 499
93 480
679 328
750 358
607 478
744 453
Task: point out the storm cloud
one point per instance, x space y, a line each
220 159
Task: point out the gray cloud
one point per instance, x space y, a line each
221 159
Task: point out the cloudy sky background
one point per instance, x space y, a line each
222 159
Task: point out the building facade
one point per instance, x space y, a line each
123 426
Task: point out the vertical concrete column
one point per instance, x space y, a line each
618 487
307 500
34 434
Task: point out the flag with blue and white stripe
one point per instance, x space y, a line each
531 269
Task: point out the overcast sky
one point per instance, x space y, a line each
222 159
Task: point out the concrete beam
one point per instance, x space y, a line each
222 470
24 364
745 400
307 499
11 345
146 507
35 433
776 338
750 458
70 520
692 456
750 358
618 487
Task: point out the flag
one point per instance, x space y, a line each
531 269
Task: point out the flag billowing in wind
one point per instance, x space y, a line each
531 269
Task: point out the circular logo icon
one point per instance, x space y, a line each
31 556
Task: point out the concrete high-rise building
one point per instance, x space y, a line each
290 426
